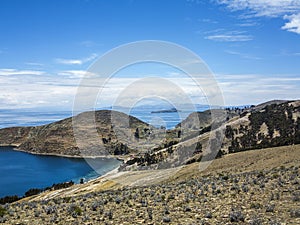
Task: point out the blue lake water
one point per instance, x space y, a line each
21 171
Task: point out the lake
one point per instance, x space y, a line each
21 171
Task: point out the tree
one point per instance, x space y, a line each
136 133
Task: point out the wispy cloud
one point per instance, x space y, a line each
269 8
248 23
287 53
87 43
286 9
76 73
242 55
76 61
9 72
34 64
208 21
69 61
230 36
237 88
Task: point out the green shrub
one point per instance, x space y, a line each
78 210
3 211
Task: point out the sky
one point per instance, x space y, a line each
251 46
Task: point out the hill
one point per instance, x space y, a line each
58 138
271 124
252 181
252 187
276 123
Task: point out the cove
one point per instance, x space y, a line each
21 171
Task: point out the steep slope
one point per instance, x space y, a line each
277 124
58 137
274 125
14 136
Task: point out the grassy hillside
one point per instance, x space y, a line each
253 187
276 123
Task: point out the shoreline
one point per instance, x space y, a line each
113 171
119 158
88 180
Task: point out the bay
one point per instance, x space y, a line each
20 171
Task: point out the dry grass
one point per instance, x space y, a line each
254 187
262 159
254 160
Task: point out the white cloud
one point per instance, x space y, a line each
254 88
237 89
69 61
294 23
9 72
76 73
49 92
269 8
230 36
76 61
287 9
32 91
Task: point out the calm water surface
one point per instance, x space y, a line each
21 171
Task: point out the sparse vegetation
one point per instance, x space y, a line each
236 198
35 191
281 129
246 193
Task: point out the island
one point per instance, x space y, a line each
172 110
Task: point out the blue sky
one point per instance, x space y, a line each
252 47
